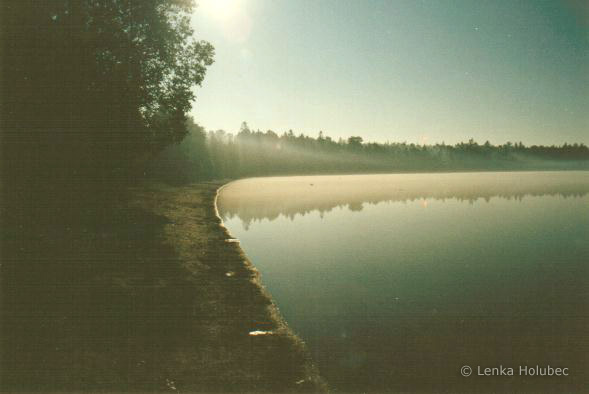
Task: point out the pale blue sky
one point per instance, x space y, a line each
417 71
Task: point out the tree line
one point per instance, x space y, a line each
219 154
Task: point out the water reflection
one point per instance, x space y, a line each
268 198
396 281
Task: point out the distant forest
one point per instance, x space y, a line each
218 154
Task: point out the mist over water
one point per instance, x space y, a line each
396 281
267 198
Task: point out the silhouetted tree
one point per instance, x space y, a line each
355 142
93 88
184 162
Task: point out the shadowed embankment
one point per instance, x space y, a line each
149 295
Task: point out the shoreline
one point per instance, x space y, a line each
261 334
149 293
312 379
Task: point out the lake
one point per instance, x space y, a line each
397 281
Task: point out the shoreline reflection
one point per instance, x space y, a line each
255 199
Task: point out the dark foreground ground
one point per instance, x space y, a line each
150 295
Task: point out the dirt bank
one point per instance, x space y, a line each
152 295
245 341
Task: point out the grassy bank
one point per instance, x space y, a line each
152 296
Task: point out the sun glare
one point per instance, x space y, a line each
220 9
230 16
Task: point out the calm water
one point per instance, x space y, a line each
396 281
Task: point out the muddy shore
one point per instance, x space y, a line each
254 345
156 297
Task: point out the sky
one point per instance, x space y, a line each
406 70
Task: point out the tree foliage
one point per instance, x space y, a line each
96 85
